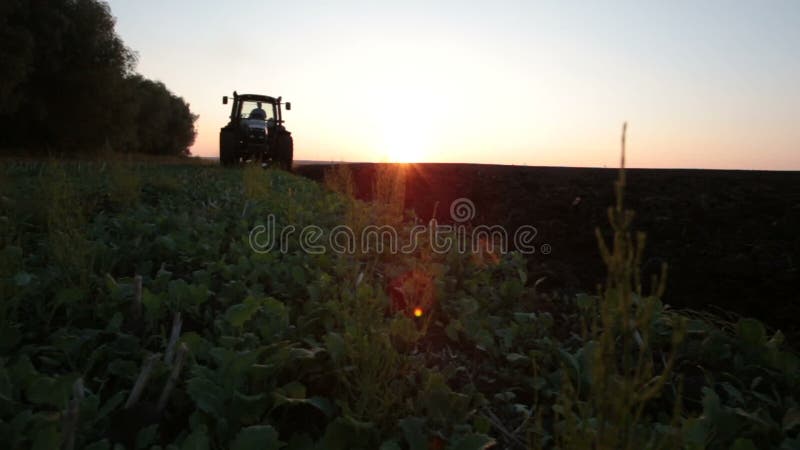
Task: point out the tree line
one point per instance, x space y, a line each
68 85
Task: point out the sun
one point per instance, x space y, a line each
401 131
401 144
404 152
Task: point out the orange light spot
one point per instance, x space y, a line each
417 312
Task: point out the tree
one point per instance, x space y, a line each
163 121
67 84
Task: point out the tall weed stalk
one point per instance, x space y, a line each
66 225
627 369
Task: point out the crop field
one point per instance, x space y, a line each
729 236
147 305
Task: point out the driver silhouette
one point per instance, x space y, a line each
258 113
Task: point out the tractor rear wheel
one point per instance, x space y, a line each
227 147
284 151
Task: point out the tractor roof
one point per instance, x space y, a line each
258 98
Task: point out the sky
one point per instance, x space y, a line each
710 84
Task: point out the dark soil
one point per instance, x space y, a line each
730 238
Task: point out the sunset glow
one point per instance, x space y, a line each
530 83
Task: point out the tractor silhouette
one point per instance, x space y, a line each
255 132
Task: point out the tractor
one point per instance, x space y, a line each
255 132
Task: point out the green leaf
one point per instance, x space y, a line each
711 403
257 437
791 419
115 323
197 440
111 404
523 317
571 363
390 445
238 314
733 393
516 358
697 326
753 416
314 292
167 242
345 433
14 430
481 424
403 331
299 275
10 336
99 445
483 338
275 318
153 303
752 332
467 306
123 368
6 392
322 404
472 442
40 392
207 395
452 330
777 339
22 279
294 390
197 294
70 295
584 301
414 432
743 444
695 433
790 444
300 441
335 346
46 437
304 353
146 436
249 408
198 346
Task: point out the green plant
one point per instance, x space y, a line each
66 224
388 193
295 350
607 385
125 184
339 178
